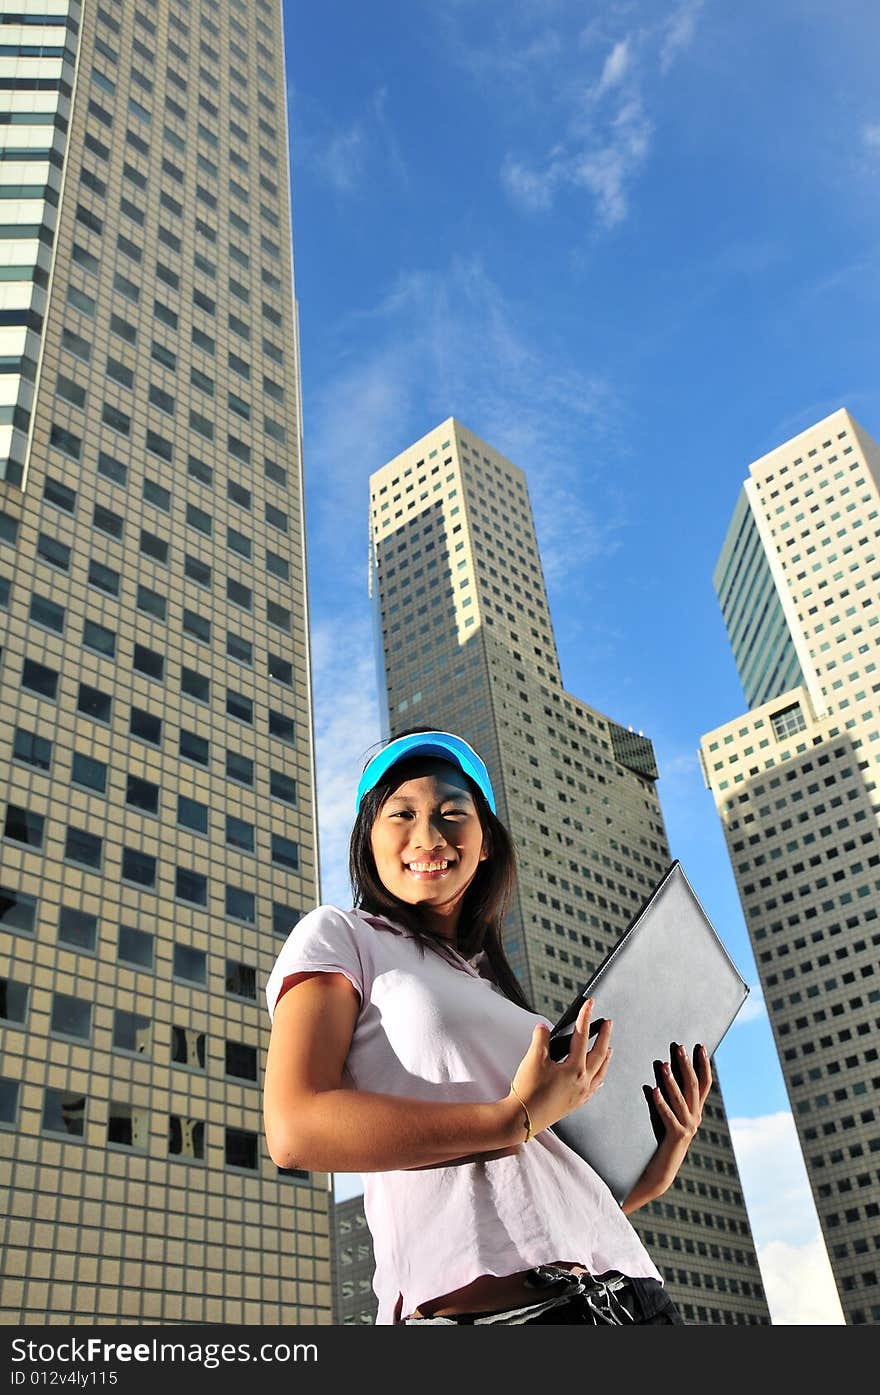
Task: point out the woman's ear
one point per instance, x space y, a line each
485 850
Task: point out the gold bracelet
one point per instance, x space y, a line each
530 1133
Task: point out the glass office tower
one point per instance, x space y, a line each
795 784
157 826
465 641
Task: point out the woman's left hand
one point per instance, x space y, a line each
679 1107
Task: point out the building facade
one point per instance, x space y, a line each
157 829
355 1303
465 641
795 784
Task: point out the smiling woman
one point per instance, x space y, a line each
403 1048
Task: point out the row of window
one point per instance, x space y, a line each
64 1114
150 544
78 930
98 706
85 849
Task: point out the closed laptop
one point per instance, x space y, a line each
668 979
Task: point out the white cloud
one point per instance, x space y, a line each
680 30
617 64
604 122
791 1253
774 1179
481 365
871 136
799 1284
347 726
754 1009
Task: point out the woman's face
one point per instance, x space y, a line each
428 842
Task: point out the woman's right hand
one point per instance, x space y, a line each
551 1089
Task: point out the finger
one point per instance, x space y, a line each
599 1077
704 1068
673 1094
689 1083
580 1037
600 1046
540 1040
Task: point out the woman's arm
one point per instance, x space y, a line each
315 1122
681 1113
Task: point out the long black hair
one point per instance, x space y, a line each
485 902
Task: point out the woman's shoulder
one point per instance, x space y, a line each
352 918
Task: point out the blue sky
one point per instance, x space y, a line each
634 246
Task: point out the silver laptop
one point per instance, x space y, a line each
668 979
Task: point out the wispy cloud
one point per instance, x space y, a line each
481 365
871 137
679 32
603 90
351 157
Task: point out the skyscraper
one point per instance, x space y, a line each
157 829
795 783
465 641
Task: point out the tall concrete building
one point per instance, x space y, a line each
465 641
157 826
795 784
355 1303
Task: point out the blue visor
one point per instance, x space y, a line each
441 744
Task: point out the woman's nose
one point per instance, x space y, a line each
427 834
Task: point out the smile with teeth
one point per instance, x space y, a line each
427 866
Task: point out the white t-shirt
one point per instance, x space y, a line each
430 1029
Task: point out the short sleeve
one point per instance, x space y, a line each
324 941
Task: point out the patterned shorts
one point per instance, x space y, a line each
595 1300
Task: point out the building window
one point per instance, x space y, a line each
77 928
241 904
71 1017
239 834
194 748
132 1033
64 1113
99 638
188 1047
23 826
281 727
127 1125
186 1137
135 947
138 867
145 726
142 794
239 767
241 1149
787 721
282 787
93 703
46 613
32 749
17 910
90 773
285 852
36 678
190 964
83 848
241 980
241 1061
239 706
14 1000
191 886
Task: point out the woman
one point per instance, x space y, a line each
402 1048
